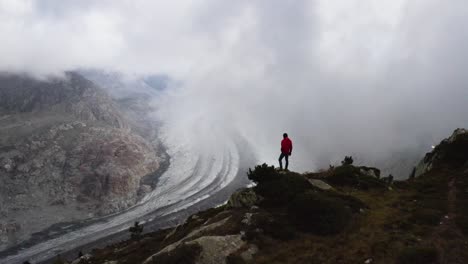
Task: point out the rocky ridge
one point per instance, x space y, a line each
345 214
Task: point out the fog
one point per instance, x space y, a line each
362 77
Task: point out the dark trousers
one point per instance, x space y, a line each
286 156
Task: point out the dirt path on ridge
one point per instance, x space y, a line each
448 238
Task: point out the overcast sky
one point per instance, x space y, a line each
350 76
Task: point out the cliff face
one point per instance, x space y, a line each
346 214
66 153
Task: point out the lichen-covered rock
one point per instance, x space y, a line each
320 184
243 198
203 250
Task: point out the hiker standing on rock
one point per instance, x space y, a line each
286 150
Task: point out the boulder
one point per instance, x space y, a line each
215 249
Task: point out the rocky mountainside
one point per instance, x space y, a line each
345 214
67 153
133 96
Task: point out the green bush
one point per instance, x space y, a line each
136 230
344 175
276 229
276 226
347 160
319 214
277 188
263 173
282 190
418 255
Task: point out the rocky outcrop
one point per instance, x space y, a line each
66 153
451 151
424 166
368 171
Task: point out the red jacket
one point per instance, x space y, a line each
286 146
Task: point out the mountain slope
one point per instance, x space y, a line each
67 153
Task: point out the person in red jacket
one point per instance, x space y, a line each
286 150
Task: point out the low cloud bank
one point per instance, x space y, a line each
364 78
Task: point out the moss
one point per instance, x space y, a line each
462 223
234 259
402 224
319 214
351 202
276 226
462 204
183 254
426 216
279 230
414 255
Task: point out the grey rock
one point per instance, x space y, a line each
320 184
247 219
423 167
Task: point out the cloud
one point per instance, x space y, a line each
340 77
